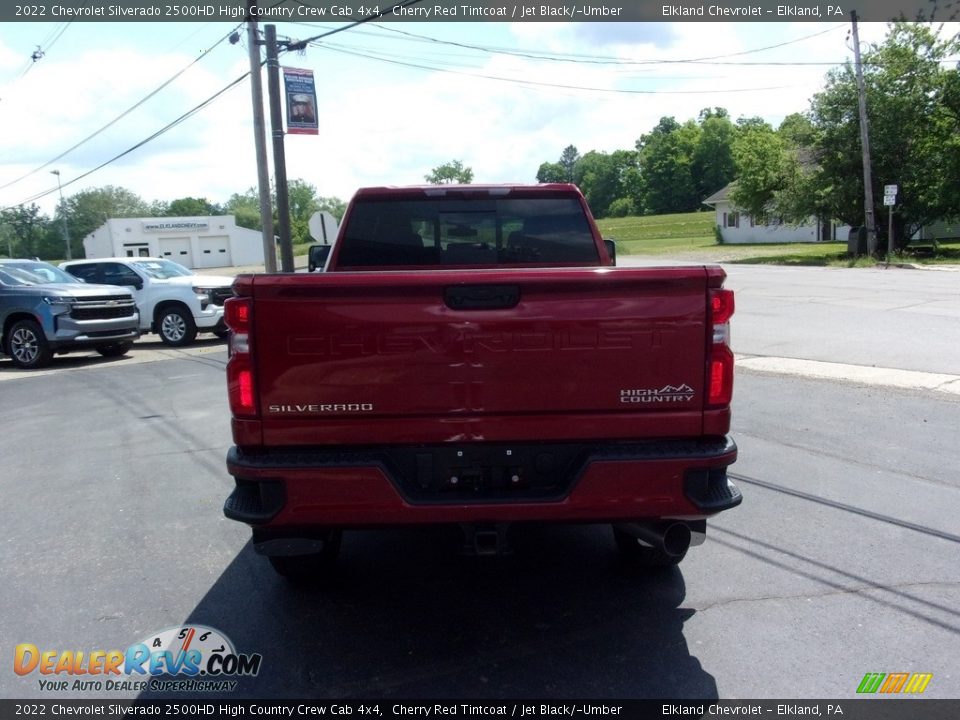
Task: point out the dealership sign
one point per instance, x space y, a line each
175 225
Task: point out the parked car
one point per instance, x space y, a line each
174 302
44 311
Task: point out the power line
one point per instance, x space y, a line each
185 116
301 44
590 59
166 128
122 115
534 83
385 32
45 47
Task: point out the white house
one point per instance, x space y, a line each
943 230
739 227
195 242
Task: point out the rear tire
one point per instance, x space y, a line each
27 346
176 327
639 555
222 334
309 569
116 350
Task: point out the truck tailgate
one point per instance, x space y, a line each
407 357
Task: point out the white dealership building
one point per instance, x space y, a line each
194 242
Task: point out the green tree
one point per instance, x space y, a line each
25 228
190 207
568 161
761 164
913 99
552 173
712 163
622 207
304 202
89 209
796 130
603 178
667 184
451 172
333 205
245 207
8 237
562 171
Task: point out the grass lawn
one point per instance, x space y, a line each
691 236
835 254
660 234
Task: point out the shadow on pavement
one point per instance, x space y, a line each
406 616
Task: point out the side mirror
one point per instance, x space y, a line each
317 257
138 284
611 246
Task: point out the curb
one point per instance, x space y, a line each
860 374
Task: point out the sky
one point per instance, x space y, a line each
395 99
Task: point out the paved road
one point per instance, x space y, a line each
906 319
890 318
844 558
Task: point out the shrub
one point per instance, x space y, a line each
621 207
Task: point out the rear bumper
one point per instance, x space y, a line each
611 482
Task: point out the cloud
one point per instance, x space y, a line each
607 34
502 115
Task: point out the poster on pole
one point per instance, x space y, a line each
301 101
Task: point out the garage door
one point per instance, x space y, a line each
214 252
176 249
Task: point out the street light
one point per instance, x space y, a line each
63 213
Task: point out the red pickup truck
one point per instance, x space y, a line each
471 356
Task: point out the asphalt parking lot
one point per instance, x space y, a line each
843 559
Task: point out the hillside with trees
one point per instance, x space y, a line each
810 165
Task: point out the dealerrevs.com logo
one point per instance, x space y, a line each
190 658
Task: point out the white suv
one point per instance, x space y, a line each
174 302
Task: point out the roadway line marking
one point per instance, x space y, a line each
864 375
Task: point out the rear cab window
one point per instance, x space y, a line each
456 231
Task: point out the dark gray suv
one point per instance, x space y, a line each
44 310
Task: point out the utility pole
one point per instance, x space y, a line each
279 158
260 140
63 214
870 222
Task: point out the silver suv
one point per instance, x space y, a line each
44 310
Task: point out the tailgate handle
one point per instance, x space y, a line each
482 297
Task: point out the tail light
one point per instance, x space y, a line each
720 357
241 386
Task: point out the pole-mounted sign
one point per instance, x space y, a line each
890 195
301 101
